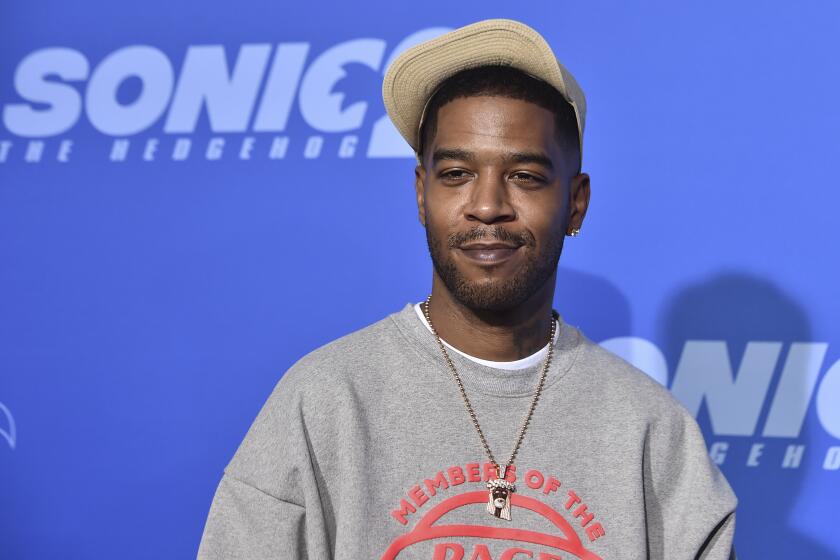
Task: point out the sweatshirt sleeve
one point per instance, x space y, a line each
690 507
245 522
267 503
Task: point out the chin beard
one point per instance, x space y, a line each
495 294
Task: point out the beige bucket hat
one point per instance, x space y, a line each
414 76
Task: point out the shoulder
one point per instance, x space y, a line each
621 387
628 401
308 399
360 353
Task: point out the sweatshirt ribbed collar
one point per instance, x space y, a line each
486 379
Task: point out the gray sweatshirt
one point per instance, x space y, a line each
365 449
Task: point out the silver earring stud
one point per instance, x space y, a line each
575 232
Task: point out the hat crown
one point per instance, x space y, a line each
414 75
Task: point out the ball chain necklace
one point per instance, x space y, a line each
500 490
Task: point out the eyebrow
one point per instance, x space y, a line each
518 157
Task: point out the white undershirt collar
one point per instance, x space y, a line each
521 363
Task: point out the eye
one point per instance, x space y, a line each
526 178
454 175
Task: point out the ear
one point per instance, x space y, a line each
420 191
578 200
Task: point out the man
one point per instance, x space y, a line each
476 424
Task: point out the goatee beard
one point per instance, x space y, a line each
495 294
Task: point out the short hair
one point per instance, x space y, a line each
510 82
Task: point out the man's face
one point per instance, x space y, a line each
493 194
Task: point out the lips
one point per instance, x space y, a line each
489 253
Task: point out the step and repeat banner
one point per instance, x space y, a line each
193 195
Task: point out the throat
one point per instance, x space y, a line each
476 356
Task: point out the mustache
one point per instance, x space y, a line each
497 233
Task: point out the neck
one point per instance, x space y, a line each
501 336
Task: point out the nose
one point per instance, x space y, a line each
489 200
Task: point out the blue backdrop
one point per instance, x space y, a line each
193 195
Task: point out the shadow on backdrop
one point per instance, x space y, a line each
592 303
738 308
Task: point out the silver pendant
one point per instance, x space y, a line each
498 497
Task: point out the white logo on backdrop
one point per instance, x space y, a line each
57 86
7 426
736 397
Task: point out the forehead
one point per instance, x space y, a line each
491 126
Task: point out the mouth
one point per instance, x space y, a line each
488 253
